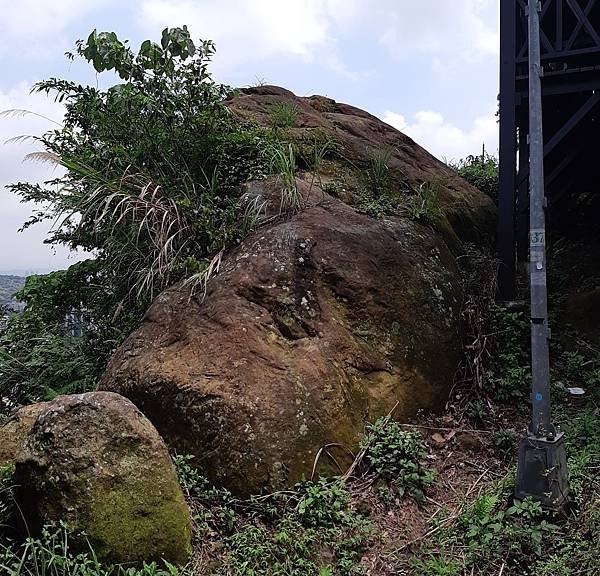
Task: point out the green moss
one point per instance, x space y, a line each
144 520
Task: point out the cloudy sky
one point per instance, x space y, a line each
428 67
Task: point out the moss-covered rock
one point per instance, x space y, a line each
95 462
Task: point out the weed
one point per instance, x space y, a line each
283 163
572 364
423 206
377 206
477 410
513 374
283 115
481 172
6 496
293 544
378 172
51 555
506 441
333 187
396 455
436 566
323 503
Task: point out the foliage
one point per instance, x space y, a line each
513 374
284 533
283 115
6 497
396 456
436 566
323 503
282 161
423 206
153 165
287 547
8 286
42 353
505 441
377 206
52 555
378 172
481 172
490 537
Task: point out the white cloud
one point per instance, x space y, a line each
36 28
443 139
251 31
247 31
451 30
25 251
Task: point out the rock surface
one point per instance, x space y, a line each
95 462
359 137
315 324
15 430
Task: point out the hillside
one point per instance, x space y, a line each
8 286
286 357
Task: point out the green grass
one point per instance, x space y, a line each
283 115
52 555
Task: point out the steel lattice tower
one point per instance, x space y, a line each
570 56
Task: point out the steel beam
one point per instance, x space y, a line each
566 128
508 152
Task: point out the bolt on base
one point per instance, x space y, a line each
542 471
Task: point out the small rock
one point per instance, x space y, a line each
95 462
438 438
469 441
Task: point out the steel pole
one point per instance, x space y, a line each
542 467
540 363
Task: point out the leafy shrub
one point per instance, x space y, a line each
493 533
396 455
153 166
63 338
377 206
293 541
437 567
511 367
481 172
6 497
215 508
323 503
506 441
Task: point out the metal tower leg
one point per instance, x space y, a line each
542 472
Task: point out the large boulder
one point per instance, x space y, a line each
96 463
311 328
15 430
315 324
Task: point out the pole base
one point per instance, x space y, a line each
542 471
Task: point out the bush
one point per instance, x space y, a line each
283 115
7 508
481 172
323 503
396 456
423 206
153 166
